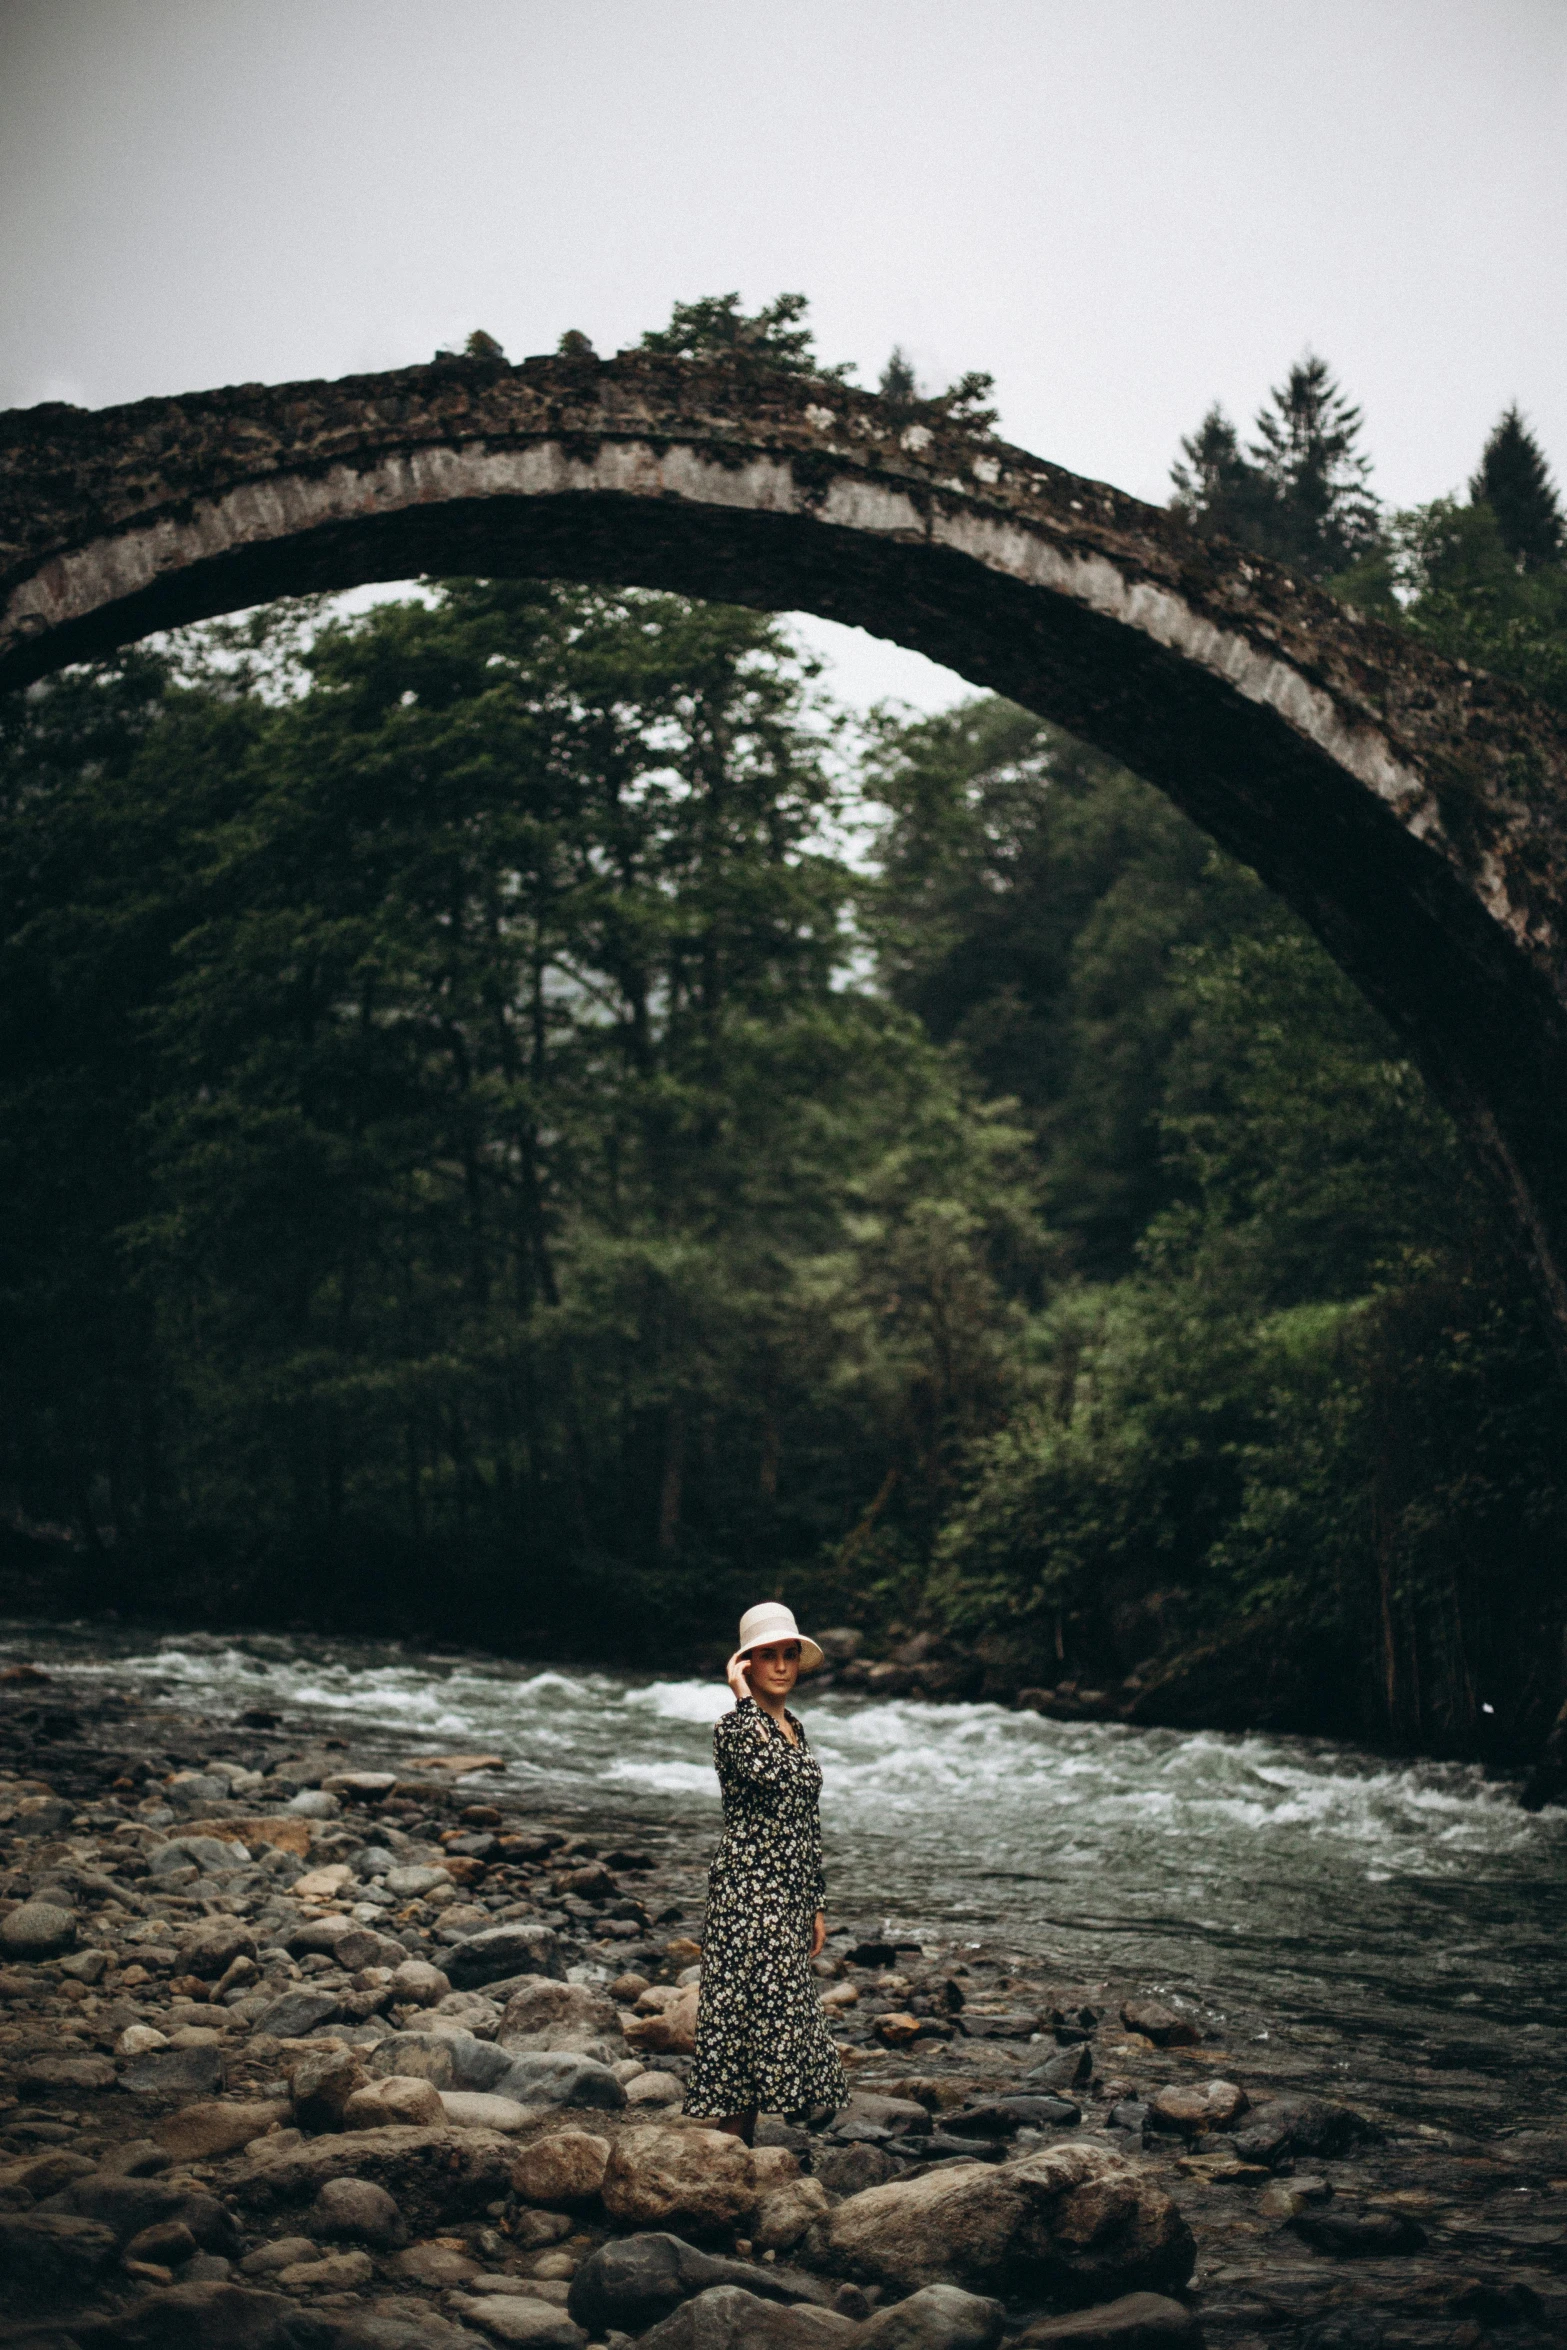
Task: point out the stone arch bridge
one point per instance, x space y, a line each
1413 811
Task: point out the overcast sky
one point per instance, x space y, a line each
1122 208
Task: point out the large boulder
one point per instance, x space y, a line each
356 2211
1138 2321
498 1951
726 2317
434 2175
1287 2126
566 2167
1077 2222
550 2015
938 2317
50 2259
698 2179
669 2029
128 2205
633 2281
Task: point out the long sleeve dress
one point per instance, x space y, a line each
761 2033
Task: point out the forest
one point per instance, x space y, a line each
524 1124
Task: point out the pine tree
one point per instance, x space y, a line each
898 383
1323 516
1216 491
1515 482
716 327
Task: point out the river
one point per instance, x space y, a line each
1405 1915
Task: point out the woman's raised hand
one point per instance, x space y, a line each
734 1674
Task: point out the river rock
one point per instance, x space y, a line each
1287 2126
850 2170
677 2179
400 2100
211 1947
669 2030
128 2205
322 2084
199 2133
1138 2321
726 2317
66 2072
1075 2221
895 2116
787 2213
633 2281
1358 2235
433 2174
478 2109
566 2167
385 2331
297 2014
356 2211
438 2265
413 1883
518 2317
168 2243
654 2089
50 2259
38 1929
939 2317
416 1983
552 2015
1189 2108
555 2077
1068 2069
282 2252
210 2313
425 2056
176 2072
499 1951
1160 2024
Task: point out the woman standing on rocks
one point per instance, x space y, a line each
761 2036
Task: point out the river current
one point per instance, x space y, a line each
1409 1913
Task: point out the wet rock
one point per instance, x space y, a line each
297 2014
1285 2197
896 2116
401 2100
385 2331
1288 2126
566 2167
128 2205
412 1884
1190 2108
210 1949
49 2260
1138 2321
1077 2221
140 2040
175 2073
43 2175
198 2133
667 2030
321 2085
66 2072
939 2317
38 1929
85 1966
554 2077
1001 2117
726 2317
1160 2024
1069 2068
1358 2235
479 2109
519 2318
702 2179
356 2211
499 1951
415 1982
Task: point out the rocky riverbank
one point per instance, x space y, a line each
310 2046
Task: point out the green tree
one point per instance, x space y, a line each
717 327
1300 492
1515 482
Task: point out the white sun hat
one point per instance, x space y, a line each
761 1626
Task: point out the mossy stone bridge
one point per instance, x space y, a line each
1413 811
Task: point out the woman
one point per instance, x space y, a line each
761 2035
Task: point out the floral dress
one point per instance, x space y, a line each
761 2034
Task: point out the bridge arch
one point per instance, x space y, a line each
1413 811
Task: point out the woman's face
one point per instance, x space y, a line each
774 1670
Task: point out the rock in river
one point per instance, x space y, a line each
728 2318
1138 2321
499 1951
940 2317
1073 2220
38 1929
702 2179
